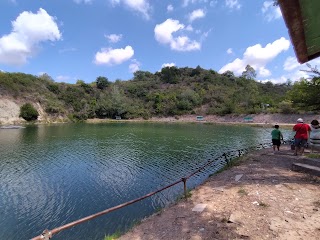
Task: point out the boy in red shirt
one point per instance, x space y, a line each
301 138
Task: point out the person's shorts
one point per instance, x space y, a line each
276 142
299 142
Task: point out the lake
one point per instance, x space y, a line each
52 175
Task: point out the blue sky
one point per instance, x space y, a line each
84 39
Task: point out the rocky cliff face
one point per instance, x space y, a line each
9 111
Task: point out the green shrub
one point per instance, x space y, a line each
286 107
28 112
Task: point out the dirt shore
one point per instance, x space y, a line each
264 119
269 201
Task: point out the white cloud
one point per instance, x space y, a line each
229 51
290 64
83 1
111 56
164 34
295 71
28 31
233 4
142 6
196 14
257 56
114 38
169 8
134 66
271 12
168 65
263 72
293 76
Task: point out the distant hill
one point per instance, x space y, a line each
171 92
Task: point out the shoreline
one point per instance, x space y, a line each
257 119
268 120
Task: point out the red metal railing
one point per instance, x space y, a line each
47 234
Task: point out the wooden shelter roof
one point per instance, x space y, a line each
302 18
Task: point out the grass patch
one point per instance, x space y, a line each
189 194
234 162
158 209
116 235
242 192
313 155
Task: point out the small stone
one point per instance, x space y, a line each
221 189
288 212
237 177
199 207
235 217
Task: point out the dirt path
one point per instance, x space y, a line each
269 201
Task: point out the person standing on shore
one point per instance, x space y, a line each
276 137
301 137
314 134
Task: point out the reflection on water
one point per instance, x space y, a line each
52 175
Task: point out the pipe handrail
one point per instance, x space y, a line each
47 234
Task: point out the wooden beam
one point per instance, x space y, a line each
291 12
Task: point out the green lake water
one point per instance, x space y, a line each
52 175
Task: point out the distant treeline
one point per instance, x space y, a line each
171 92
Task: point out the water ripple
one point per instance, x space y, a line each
52 175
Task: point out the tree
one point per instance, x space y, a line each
46 77
306 94
170 75
28 112
142 76
196 71
228 74
102 82
87 88
249 73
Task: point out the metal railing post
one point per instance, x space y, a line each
226 158
185 187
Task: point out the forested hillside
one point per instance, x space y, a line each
171 92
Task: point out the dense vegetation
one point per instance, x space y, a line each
28 112
171 92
